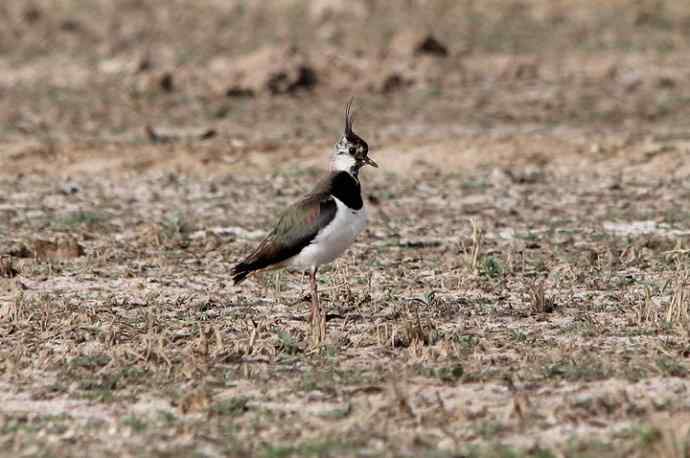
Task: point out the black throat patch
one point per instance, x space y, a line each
346 189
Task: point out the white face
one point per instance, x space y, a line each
343 162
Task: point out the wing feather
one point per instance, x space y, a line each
296 227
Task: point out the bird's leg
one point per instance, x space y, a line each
322 317
318 322
314 307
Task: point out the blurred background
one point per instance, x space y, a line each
237 73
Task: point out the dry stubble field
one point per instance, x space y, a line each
522 289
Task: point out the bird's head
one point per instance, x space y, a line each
351 152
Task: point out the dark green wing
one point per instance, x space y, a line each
295 229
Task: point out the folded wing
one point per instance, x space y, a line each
295 229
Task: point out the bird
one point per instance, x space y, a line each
320 226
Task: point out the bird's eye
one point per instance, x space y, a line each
352 150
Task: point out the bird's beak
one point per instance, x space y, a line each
370 162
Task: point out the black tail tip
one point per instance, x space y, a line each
239 277
239 273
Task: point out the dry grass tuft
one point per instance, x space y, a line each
472 253
667 437
63 248
7 267
646 312
677 309
539 302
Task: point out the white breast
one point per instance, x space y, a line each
334 239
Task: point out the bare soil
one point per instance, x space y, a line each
522 288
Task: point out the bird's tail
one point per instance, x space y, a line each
240 272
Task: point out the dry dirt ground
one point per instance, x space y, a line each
522 288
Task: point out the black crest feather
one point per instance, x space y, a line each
348 119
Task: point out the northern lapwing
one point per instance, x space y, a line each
319 227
